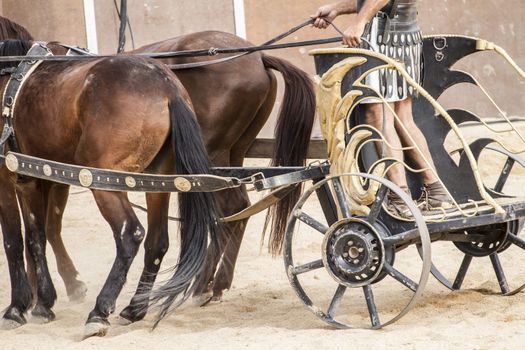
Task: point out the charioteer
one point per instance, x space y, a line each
391 28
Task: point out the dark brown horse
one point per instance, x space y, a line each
232 101
93 113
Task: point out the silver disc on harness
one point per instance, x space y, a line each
85 177
130 182
11 162
47 170
182 184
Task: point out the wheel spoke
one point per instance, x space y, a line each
372 309
311 266
516 241
340 194
505 172
496 263
401 278
313 223
376 206
460 277
336 300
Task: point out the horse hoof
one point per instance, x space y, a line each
202 299
42 315
78 294
96 328
131 314
13 318
217 296
216 299
7 325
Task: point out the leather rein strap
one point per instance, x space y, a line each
266 44
239 51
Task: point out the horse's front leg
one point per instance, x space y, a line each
14 250
128 233
33 203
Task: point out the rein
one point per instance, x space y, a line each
241 51
221 60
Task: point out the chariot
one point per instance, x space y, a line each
353 242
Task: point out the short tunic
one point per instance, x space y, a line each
399 38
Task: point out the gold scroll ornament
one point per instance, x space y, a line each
333 111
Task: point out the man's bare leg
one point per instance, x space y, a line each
404 110
396 174
434 194
374 117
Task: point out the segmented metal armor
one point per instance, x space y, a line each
394 32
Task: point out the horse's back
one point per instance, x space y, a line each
99 112
227 96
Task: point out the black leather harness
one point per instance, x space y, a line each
11 91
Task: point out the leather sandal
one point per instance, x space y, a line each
433 196
396 206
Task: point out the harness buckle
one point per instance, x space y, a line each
18 76
9 100
213 51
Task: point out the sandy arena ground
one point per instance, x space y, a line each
261 311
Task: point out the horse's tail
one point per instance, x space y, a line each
197 211
292 137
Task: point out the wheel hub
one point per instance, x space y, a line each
488 239
353 252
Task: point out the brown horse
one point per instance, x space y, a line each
230 121
93 113
232 101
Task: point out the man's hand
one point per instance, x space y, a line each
324 15
352 34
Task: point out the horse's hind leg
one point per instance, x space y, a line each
229 202
58 195
155 246
33 197
128 234
224 275
14 250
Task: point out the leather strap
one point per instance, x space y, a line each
393 10
266 202
11 91
76 51
292 178
24 70
111 180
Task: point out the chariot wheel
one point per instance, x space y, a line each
499 245
344 267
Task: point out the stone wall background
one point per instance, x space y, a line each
154 20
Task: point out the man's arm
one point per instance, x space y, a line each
369 10
331 11
352 34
